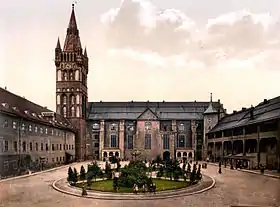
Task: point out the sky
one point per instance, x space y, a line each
179 50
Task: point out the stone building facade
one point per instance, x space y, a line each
29 129
251 135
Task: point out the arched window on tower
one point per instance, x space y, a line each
65 75
77 75
78 112
72 99
77 99
71 75
73 111
58 99
64 99
64 111
59 75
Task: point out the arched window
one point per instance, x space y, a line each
58 99
78 112
73 111
77 75
71 75
59 75
64 111
65 75
64 99
72 99
77 99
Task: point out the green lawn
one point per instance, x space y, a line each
107 185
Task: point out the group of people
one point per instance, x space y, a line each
145 188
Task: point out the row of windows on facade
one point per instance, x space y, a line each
148 126
35 128
14 163
181 142
62 100
24 146
69 75
73 112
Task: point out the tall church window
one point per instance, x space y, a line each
64 111
73 111
64 99
72 99
71 75
59 75
148 141
113 140
181 140
165 141
129 142
77 99
77 75
58 99
78 112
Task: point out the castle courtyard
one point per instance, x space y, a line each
233 188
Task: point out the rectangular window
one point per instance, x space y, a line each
36 129
41 130
42 146
113 140
14 125
30 128
57 147
129 142
30 146
148 144
46 130
166 140
24 146
60 147
15 146
47 147
52 147
6 146
64 147
181 141
36 146
22 126
72 146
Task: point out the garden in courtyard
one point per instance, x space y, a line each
137 176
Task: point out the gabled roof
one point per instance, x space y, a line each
148 114
163 110
15 105
210 109
264 111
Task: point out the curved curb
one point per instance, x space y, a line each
132 196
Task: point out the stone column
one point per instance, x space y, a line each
222 149
173 138
244 147
101 139
194 141
258 145
121 139
278 146
214 150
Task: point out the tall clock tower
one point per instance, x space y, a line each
71 83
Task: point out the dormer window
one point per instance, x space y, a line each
5 105
26 112
15 108
33 114
23 126
95 126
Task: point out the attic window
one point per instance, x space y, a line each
33 114
15 108
26 112
5 105
40 116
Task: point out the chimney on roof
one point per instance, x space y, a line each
5 87
243 108
234 111
265 101
45 107
219 101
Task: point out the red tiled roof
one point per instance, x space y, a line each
15 105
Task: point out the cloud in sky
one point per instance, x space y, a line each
138 29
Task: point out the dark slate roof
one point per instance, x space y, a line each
210 109
164 110
264 111
15 105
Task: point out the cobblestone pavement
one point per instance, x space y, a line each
232 188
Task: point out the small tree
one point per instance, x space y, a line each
108 171
82 173
198 173
189 168
75 176
70 174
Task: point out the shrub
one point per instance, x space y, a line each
198 173
82 173
70 174
75 176
108 171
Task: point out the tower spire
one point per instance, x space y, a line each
211 97
210 109
85 52
58 44
72 40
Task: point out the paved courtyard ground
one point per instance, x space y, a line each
232 188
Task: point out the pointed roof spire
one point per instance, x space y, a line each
72 22
58 44
72 40
85 53
210 109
